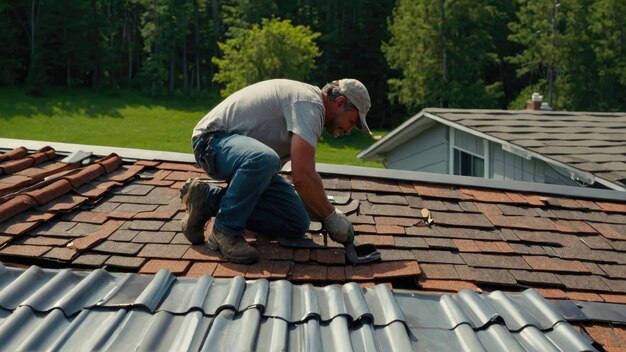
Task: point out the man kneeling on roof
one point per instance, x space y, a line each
245 140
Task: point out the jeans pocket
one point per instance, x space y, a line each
205 157
205 152
207 161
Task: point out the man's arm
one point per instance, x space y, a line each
307 181
311 190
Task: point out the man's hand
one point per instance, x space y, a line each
339 227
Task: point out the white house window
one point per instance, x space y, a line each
467 164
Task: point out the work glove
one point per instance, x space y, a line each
339 227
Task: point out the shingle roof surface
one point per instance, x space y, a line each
590 141
125 215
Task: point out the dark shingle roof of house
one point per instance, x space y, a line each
593 142
123 214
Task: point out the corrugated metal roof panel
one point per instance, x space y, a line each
516 311
133 329
44 309
44 289
125 330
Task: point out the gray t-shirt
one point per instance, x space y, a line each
269 111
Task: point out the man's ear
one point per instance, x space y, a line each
340 101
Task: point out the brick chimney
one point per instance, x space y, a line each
535 102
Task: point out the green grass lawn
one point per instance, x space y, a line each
131 120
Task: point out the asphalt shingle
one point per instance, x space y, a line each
480 237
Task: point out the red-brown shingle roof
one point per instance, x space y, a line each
125 215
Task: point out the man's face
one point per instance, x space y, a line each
343 121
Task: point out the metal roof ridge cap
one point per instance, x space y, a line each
456 180
282 311
236 289
398 131
452 311
154 293
388 300
548 309
200 291
475 308
311 305
260 292
332 293
519 319
97 150
356 302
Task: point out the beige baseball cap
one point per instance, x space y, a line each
356 92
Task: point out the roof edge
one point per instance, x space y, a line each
519 186
124 153
455 180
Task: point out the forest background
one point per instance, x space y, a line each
410 54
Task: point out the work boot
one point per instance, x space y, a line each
197 214
233 248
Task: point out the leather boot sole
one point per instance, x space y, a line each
197 236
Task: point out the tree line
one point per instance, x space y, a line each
410 54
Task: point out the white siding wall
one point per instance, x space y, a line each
508 166
427 152
469 142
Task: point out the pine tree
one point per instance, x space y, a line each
534 31
441 49
608 42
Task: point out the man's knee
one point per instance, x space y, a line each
266 161
298 224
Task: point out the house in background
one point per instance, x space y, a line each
553 147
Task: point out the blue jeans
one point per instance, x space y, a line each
256 198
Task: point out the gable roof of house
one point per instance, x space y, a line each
121 211
590 144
